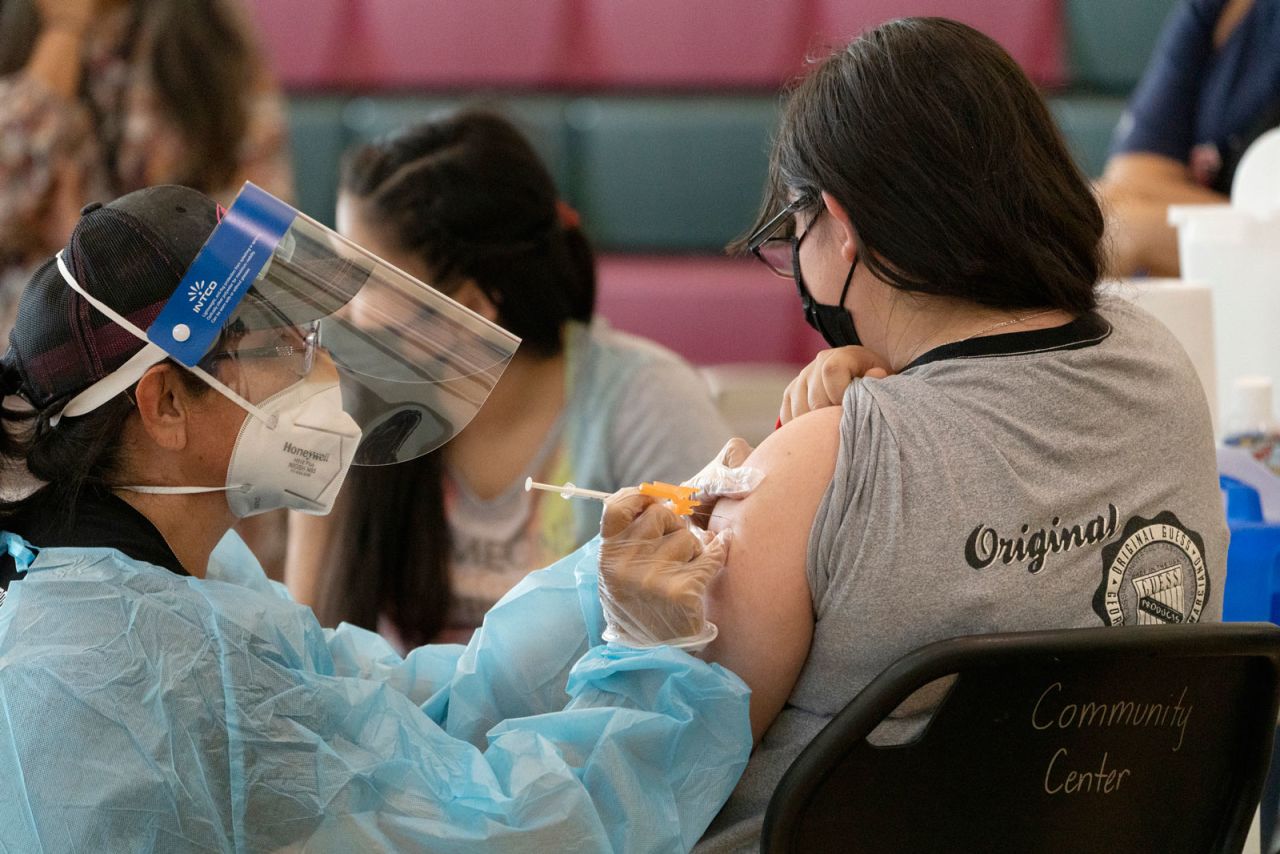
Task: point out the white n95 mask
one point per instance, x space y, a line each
293 452
301 462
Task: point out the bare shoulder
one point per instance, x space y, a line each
761 601
798 461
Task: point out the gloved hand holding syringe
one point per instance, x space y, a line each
656 558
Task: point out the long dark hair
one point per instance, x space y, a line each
200 57
468 195
954 175
83 453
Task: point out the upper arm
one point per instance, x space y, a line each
1145 178
761 601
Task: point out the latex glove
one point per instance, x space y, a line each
724 477
824 380
654 573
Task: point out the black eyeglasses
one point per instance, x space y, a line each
302 355
779 254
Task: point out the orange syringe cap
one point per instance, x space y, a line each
681 497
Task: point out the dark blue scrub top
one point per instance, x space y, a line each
1200 106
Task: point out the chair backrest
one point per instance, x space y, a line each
1152 738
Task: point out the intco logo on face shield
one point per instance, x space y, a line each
199 293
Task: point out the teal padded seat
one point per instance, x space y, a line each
370 116
675 174
1110 41
323 127
1088 121
316 141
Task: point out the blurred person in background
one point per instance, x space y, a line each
422 550
1211 89
102 97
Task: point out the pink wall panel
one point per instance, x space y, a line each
304 38
678 43
465 42
1031 30
709 310
688 44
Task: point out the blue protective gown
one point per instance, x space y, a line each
144 711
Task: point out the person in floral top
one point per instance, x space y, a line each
102 97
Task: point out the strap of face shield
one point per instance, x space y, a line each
130 372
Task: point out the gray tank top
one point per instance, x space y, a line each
1051 479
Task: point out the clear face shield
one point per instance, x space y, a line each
310 333
413 366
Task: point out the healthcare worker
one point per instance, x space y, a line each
181 367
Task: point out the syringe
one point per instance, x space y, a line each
681 497
566 491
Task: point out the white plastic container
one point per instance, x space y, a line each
1252 412
1251 424
1186 308
1235 250
1237 254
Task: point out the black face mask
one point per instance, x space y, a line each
833 322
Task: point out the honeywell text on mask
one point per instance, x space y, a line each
315 456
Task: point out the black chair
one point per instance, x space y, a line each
1134 739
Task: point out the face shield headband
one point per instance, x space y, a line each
131 371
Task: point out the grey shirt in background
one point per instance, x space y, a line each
634 412
1051 479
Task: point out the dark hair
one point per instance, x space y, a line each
202 61
954 175
78 455
468 195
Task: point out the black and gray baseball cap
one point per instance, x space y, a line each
130 254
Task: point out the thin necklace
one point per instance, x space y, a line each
1004 323
983 331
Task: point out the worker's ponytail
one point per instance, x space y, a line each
13 422
44 468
